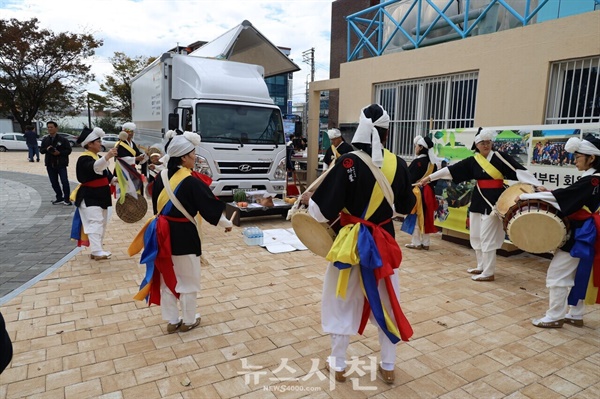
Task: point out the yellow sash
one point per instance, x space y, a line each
488 167
138 242
344 248
418 208
73 195
126 146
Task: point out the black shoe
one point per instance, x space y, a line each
67 203
31 160
37 160
58 202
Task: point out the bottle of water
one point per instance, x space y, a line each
260 236
246 233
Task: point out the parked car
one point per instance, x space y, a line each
108 141
72 138
13 142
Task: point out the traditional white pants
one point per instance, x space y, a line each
486 236
187 271
420 239
341 317
94 220
560 278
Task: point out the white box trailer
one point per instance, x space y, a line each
227 103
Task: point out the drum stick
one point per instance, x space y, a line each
233 216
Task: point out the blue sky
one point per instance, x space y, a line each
151 27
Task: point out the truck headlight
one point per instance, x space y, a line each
201 165
281 172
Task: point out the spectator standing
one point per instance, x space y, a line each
338 148
32 143
57 150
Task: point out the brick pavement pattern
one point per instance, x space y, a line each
78 333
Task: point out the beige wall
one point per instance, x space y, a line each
513 68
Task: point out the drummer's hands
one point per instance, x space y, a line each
424 181
540 189
305 197
228 229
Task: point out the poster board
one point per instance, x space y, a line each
540 148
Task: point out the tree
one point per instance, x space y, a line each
42 71
118 86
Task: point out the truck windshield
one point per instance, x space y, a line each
239 123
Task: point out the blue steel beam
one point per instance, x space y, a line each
374 25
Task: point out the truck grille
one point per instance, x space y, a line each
230 168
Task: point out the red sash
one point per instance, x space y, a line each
489 183
101 182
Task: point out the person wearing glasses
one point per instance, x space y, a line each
489 168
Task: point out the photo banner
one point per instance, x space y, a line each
540 148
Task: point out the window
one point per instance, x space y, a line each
416 106
574 92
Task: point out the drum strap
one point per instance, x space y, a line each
165 178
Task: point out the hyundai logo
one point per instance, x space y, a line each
245 168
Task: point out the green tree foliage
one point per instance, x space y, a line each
42 71
118 85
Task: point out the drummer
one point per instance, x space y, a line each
580 202
357 287
489 168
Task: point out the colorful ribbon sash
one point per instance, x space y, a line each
587 249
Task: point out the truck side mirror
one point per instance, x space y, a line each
173 121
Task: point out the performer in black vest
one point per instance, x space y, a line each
489 168
92 196
579 258
422 166
356 287
338 148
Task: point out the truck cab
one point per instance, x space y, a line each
243 144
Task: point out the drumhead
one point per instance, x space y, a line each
537 231
318 237
507 199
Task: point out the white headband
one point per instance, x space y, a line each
95 134
575 144
367 134
181 145
485 135
419 140
333 133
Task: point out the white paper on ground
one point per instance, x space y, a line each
281 240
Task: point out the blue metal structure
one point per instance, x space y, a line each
371 37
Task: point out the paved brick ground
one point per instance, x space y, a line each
77 333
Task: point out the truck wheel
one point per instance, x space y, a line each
2 148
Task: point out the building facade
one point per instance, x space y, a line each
537 74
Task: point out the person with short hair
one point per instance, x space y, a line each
92 195
57 150
573 277
179 199
338 148
32 143
365 284
489 168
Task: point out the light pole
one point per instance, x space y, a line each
89 114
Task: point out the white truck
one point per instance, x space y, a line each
227 103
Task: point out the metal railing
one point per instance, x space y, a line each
370 30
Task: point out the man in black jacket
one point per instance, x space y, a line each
57 150
32 143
